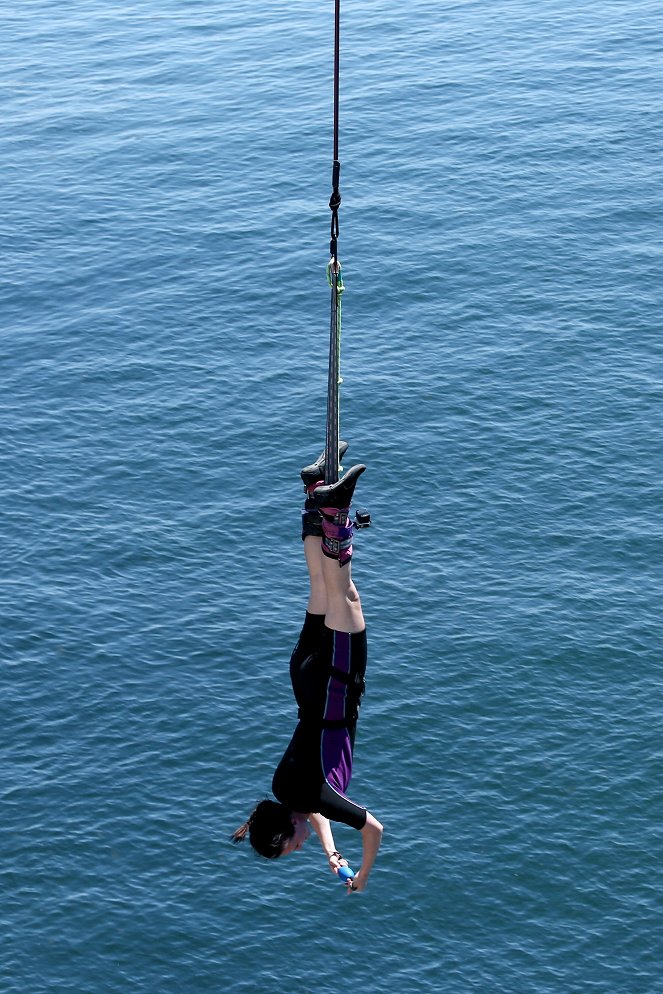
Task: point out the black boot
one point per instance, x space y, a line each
337 495
316 471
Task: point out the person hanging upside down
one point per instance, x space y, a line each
327 671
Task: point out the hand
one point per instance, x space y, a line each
335 862
357 884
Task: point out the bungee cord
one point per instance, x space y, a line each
335 281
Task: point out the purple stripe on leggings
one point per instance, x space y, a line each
336 748
337 691
337 758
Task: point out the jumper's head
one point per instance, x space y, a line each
299 836
273 830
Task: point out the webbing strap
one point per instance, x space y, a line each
346 678
329 723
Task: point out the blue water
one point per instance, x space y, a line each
164 177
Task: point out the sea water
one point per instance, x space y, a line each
164 176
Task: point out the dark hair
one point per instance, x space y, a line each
269 826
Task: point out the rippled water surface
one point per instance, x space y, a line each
164 177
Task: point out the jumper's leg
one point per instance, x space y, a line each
312 477
344 612
317 601
332 590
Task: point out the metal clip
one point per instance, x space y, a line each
362 520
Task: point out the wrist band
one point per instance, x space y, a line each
337 854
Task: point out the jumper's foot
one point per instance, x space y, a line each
316 471
337 496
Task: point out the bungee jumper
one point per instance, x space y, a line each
327 670
328 664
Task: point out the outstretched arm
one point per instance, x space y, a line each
371 837
322 829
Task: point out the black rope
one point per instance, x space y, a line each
335 199
337 66
333 412
332 434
